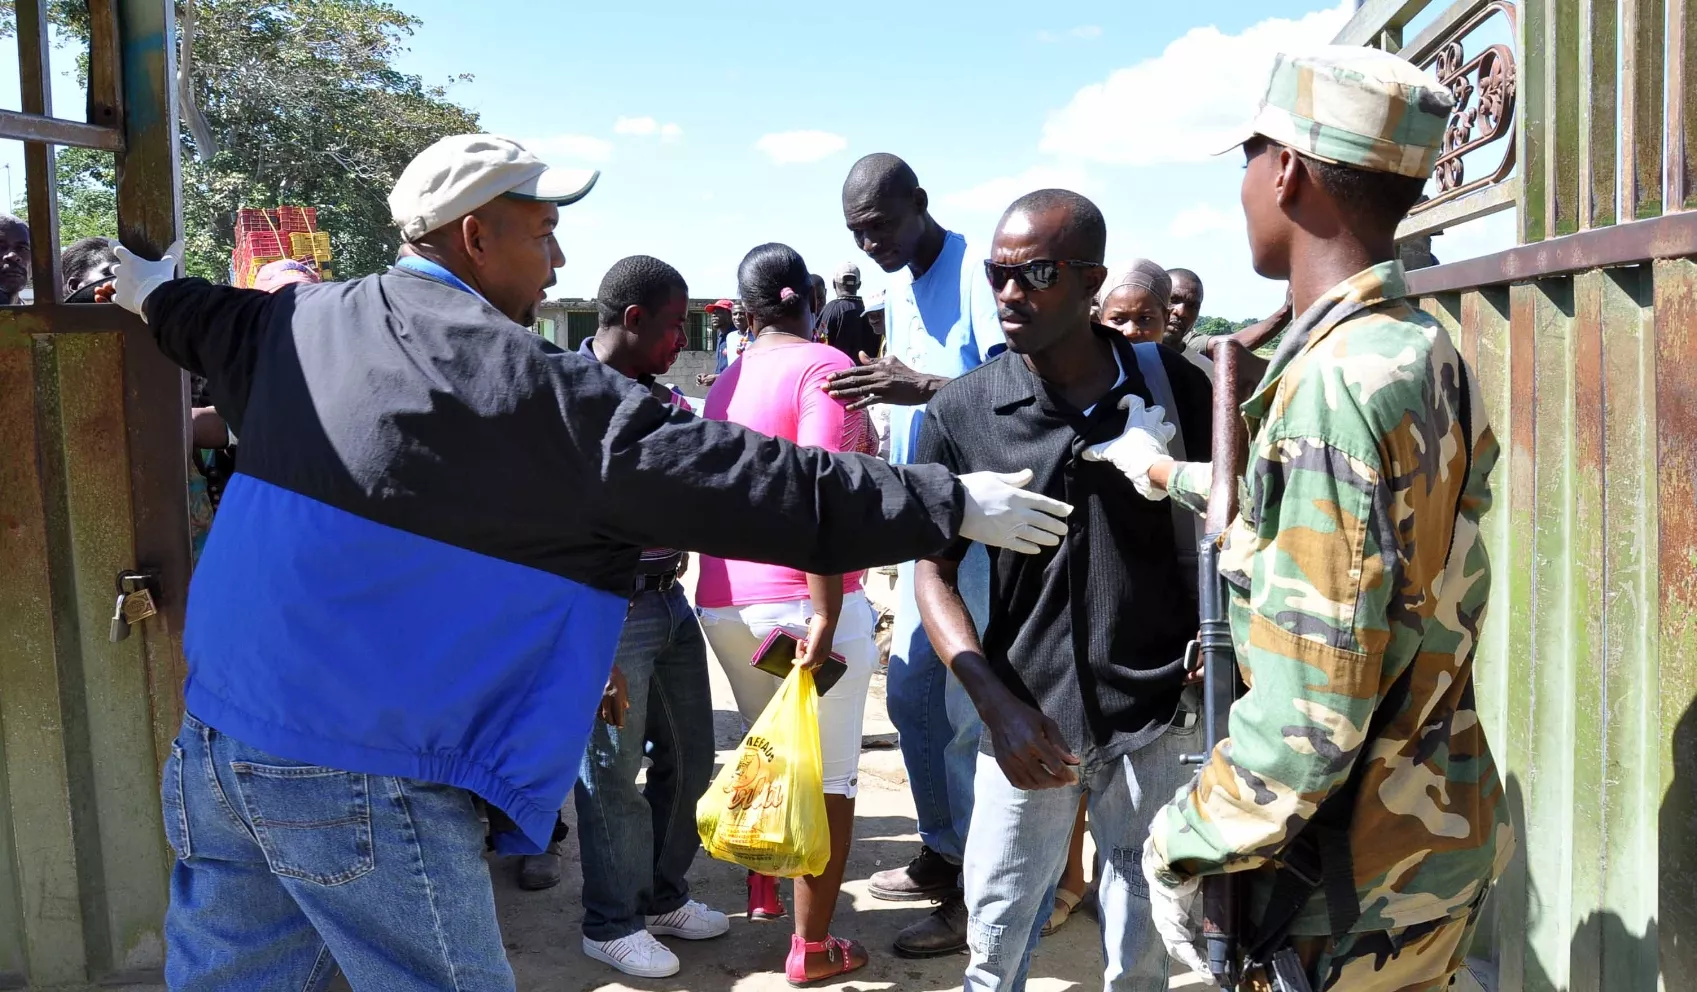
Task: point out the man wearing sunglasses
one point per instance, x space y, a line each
940 322
1079 672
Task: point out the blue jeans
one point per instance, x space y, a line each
1017 851
938 724
637 844
286 870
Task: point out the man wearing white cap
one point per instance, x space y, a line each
413 592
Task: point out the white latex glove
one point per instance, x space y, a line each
1001 514
137 277
1177 913
1142 444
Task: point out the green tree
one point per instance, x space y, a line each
1212 326
88 201
305 105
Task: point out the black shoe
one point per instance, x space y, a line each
927 876
941 933
540 871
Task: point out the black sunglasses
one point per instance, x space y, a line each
1036 275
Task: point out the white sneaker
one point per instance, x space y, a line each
639 955
691 921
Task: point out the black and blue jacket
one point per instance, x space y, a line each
423 561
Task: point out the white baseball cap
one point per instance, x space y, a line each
462 172
848 271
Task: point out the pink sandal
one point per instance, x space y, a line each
839 953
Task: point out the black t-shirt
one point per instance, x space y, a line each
843 326
1091 632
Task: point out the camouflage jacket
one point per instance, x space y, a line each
1336 568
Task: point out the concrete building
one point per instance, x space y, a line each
567 322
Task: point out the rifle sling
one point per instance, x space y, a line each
1318 857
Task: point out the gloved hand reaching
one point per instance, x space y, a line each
1001 514
1142 444
137 277
1176 913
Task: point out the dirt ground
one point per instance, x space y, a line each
543 939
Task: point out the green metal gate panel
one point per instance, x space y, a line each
1586 668
86 869
93 462
1584 340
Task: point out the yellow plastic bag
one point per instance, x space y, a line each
766 810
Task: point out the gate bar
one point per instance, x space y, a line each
58 131
40 186
1670 236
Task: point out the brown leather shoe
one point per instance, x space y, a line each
927 876
540 871
941 933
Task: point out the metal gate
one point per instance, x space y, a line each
1584 338
93 463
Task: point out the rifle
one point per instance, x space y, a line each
1229 450
1229 446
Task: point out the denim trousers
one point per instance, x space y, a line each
637 843
286 870
1017 850
937 723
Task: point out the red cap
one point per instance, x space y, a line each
721 305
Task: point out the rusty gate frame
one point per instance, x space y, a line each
1584 340
93 478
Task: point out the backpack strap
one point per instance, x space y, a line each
1187 530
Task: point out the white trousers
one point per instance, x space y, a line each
736 633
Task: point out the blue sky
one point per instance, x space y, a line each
720 125
983 99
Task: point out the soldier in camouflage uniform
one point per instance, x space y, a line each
1356 575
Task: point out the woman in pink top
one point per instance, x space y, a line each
777 388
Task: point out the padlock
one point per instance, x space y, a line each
120 628
138 605
135 604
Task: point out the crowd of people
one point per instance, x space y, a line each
1022 432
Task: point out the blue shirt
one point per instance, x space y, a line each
433 270
942 323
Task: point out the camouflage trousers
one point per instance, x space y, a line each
1418 958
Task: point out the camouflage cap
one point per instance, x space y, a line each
1355 106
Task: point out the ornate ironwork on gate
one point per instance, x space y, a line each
1483 87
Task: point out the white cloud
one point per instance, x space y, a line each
571 146
1186 103
1085 32
994 195
793 147
1204 219
635 125
648 127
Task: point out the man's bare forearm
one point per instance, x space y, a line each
949 625
933 385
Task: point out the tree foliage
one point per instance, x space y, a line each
306 106
1213 326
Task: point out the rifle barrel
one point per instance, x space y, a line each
1229 450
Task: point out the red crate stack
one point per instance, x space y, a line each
267 234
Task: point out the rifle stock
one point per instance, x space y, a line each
1229 450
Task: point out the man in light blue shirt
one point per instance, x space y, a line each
939 323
